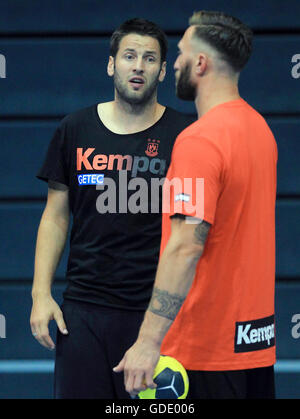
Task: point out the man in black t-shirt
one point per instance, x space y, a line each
105 165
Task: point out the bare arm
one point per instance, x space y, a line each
174 277
51 239
175 274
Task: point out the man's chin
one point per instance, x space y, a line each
133 99
136 98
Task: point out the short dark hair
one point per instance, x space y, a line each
227 34
140 27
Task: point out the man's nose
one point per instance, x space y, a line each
139 65
175 66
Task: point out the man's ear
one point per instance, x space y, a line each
111 66
163 71
201 64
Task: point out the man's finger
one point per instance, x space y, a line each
47 342
44 338
129 382
149 380
34 329
40 334
120 366
125 377
138 382
58 317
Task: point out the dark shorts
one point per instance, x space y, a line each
97 341
256 383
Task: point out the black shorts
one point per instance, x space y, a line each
97 341
256 383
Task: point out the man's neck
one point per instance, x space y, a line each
124 118
215 94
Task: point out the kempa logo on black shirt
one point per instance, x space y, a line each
135 164
254 335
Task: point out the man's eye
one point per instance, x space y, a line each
151 59
129 57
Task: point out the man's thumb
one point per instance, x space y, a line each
60 323
120 366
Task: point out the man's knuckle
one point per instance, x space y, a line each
44 335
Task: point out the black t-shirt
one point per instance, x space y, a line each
113 182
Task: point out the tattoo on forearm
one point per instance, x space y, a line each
201 232
165 304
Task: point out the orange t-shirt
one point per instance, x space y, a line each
227 319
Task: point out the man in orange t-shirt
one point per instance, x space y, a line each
212 306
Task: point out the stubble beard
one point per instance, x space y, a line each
135 100
185 89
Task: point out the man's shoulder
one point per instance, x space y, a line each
195 137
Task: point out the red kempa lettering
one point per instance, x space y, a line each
83 158
120 159
100 162
118 162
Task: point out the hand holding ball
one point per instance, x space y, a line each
171 379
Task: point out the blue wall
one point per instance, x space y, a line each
56 54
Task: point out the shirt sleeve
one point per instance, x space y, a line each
55 166
194 180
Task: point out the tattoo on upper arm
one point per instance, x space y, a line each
57 186
201 232
165 304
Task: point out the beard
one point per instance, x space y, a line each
135 98
185 89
